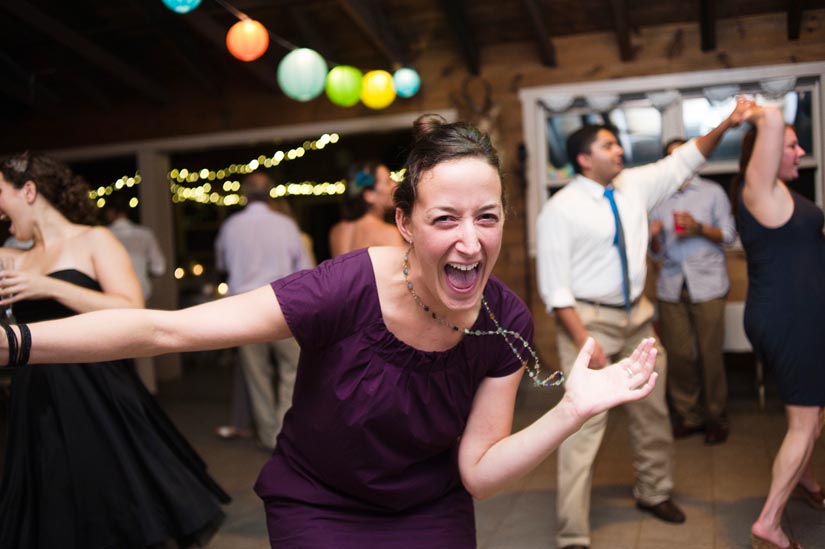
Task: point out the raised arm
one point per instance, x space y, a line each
708 142
490 457
120 333
762 193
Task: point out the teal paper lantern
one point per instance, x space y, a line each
302 74
406 82
182 6
343 85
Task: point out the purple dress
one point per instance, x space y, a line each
367 454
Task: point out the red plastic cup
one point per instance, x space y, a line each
677 227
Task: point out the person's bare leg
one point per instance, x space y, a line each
794 456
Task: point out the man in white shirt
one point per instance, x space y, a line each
147 260
591 260
255 247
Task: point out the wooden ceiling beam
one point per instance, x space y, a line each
180 46
707 24
794 19
93 53
458 22
547 52
621 23
24 87
215 33
372 22
308 32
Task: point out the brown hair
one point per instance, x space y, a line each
436 141
65 191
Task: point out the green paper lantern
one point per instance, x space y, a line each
343 85
302 73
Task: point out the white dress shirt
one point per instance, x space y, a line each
576 257
143 249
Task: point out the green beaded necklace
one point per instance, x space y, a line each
553 380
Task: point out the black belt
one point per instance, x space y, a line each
609 305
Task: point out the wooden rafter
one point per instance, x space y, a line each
458 22
308 33
375 25
543 40
179 47
24 87
707 24
215 33
85 48
794 19
621 22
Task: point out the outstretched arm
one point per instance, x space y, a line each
120 333
490 457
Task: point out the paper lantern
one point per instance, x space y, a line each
182 6
302 73
406 82
247 40
343 85
377 91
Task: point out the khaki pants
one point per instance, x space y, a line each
618 332
693 334
259 372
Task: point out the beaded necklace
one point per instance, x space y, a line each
553 380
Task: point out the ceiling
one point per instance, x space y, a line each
99 55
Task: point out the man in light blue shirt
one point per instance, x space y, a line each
254 247
688 234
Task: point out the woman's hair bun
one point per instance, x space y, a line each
426 124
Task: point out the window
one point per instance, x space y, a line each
638 127
648 111
700 116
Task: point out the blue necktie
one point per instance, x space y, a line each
618 241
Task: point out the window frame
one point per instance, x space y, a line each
690 84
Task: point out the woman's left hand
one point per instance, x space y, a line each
590 392
18 285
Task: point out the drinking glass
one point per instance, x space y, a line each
6 264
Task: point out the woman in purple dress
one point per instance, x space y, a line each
411 358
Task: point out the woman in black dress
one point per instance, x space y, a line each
91 461
782 235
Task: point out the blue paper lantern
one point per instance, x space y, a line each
182 6
302 74
406 82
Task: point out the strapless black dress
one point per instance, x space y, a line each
92 461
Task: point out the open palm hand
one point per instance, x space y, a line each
593 391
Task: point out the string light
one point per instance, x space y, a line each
226 194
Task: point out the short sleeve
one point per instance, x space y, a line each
322 305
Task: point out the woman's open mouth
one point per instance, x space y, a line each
462 277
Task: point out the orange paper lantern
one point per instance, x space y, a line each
247 40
